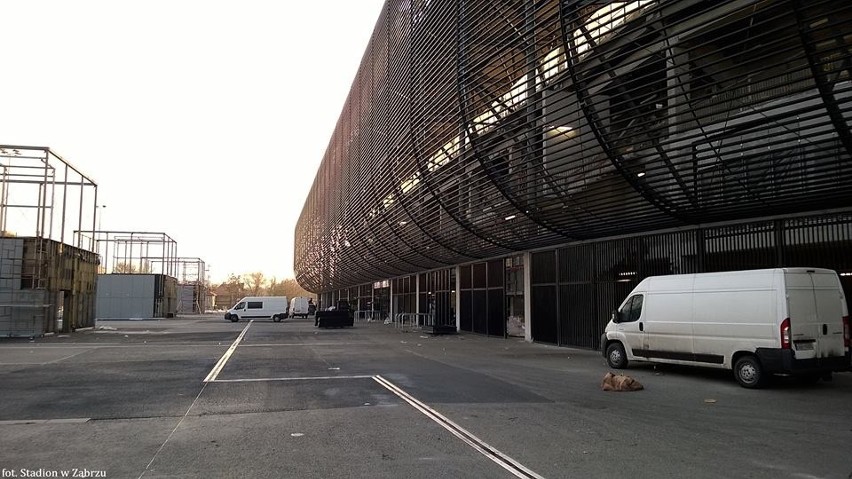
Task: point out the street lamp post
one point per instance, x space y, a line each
97 234
100 214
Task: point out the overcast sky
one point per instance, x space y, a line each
202 119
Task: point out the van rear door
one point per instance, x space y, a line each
829 304
814 303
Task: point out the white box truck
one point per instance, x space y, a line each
299 306
756 323
259 307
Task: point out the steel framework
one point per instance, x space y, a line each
477 128
46 284
133 251
192 285
41 194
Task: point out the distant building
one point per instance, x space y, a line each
136 296
226 300
45 287
211 301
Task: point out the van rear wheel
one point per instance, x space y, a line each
615 356
749 372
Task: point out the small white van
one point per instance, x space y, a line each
757 323
299 307
259 307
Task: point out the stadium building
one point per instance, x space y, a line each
515 168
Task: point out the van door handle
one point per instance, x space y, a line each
824 329
641 326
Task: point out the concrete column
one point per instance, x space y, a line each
458 298
391 309
528 297
417 293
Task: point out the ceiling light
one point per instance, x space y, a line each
566 131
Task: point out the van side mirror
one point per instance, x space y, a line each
616 316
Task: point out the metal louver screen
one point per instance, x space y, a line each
477 128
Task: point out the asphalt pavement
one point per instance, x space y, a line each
203 397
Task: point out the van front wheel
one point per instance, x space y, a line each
615 356
749 372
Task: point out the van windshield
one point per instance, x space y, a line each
240 305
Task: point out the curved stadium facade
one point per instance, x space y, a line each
516 167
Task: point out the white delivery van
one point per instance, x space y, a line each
256 307
757 323
299 307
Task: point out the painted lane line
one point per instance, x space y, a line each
115 346
69 356
169 437
224 359
309 378
504 461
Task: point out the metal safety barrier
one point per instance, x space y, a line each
414 320
369 315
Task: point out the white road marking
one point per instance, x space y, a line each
210 377
224 359
309 378
68 357
163 445
504 461
110 346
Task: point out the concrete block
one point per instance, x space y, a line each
7 270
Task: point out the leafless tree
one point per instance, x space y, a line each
123 267
275 287
255 283
235 285
229 291
291 289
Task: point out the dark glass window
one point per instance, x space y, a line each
255 305
479 275
632 309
